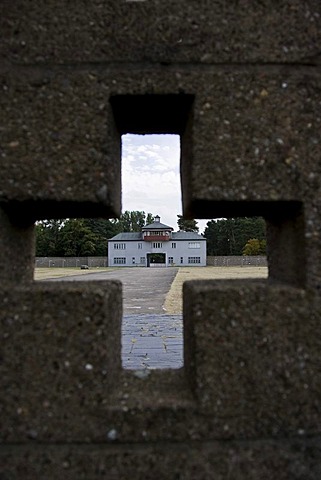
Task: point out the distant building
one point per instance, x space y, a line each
157 245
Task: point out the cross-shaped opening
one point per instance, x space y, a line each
144 114
150 114
143 253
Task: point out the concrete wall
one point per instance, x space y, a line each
70 261
241 83
236 261
221 261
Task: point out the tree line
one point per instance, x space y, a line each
236 236
81 237
89 237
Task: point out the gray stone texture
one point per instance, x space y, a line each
155 32
16 249
258 362
292 459
57 161
247 74
60 349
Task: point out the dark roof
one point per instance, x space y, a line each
181 235
157 226
127 236
138 236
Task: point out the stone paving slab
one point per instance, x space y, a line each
150 338
152 341
144 289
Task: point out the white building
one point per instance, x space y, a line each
157 244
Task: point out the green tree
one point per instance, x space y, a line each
263 247
42 240
77 239
187 225
73 237
228 236
254 247
103 230
48 238
133 221
82 237
149 218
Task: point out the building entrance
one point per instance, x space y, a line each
156 259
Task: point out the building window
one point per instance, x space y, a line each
142 259
140 246
170 260
120 246
194 259
182 260
174 245
194 245
157 233
120 261
157 245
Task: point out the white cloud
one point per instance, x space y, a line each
150 176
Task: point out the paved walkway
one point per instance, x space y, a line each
152 341
150 338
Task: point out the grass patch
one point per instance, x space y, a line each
174 303
55 272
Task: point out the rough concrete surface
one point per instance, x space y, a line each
156 32
247 402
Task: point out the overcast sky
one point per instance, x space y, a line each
150 176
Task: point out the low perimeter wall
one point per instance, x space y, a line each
63 262
70 261
237 261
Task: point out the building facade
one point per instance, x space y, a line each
157 245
